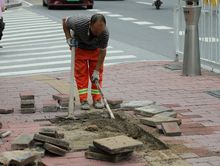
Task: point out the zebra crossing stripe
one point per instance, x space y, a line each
56 62
57 57
35 33
35 48
23 26
32 42
33 37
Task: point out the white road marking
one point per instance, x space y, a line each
114 15
104 12
93 10
143 23
127 18
145 3
161 27
29 4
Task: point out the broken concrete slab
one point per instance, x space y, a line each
49 132
27 95
171 129
6 110
18 158
28 110
159 129
58 142
172 114
151 110
158 120
117 144
22 142
136 104
107 157
55 149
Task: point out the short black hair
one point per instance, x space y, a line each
97 17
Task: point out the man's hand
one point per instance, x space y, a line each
95 76
71 42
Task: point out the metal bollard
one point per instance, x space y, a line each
191 59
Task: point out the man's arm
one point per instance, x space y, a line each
101 58
66 30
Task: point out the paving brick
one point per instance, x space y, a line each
158 120
58 142
117 144
172 114
49 132
6 110
28 110
4 134
60 96
107 157
136 104
171 129
151 110
188 155
24 102
159 129
114 102
27 95
50 106
27 106
22 142
55 149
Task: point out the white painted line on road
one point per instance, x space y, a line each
34 33
114 51
143 23
52 42
49 70
26 27
171 32
67 61
145 3
127 18
109 47
30 22
30 42
65 57
29 4
33 29
181 33
104 12
32 37
36 48
114 15
93 10
29 54
25 18
161 27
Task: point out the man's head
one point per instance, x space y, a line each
97 24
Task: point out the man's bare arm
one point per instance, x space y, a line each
101 59
66 30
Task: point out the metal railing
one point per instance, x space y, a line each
209 29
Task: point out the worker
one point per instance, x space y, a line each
2 24
92 38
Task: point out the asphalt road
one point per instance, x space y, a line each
143 40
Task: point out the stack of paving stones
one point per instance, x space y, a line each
62 100
27 102
113 149
47 140
52 141
163 118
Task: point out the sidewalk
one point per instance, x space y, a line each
200 112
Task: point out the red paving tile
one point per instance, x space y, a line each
135 81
